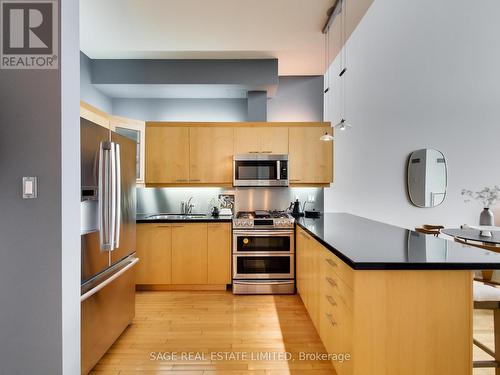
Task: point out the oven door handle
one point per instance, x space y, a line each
267 282
260 233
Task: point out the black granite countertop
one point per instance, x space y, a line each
370 245
145 218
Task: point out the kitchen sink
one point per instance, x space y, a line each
176 216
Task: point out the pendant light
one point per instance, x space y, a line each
343 124
327 137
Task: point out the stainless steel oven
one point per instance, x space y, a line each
260 170
263 261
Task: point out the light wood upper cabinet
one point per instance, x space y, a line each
189 253
211 155
219 253
311 160
268 140
167 155
154 249
201 153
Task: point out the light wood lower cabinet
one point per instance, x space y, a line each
394 322
219 254
189 254
177 255
154 249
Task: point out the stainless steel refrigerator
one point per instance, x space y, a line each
108 238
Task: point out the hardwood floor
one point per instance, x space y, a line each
195 322
483 331
212 322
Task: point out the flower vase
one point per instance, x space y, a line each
486 218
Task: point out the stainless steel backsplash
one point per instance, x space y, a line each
164 200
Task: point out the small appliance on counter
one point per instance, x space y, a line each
263 253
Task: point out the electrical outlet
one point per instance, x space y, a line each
311 198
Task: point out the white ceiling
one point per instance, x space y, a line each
289 30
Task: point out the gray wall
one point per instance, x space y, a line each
182 109
88 92
420 74
297 99
38 316
257 106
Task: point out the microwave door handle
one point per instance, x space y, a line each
118 196
104 190
278 171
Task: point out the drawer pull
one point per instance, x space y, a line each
195 180
331 300
331 262
330 318
331 281
295 180
267 152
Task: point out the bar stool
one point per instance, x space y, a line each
485 296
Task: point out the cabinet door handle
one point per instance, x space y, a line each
295 180
177 226
331 300
163 226
195 180
253 152
330 318
181 180
331 281
267 152
331 262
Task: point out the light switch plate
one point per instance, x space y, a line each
30 188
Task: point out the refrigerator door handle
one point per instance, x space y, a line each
118 196
105 197
91 292
112 198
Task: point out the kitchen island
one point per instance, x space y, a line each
398 302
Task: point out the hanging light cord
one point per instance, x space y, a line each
327 58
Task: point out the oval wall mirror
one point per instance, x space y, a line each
427 178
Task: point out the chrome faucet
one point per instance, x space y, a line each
187 207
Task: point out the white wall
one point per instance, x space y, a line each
420 74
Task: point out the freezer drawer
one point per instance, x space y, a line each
107 308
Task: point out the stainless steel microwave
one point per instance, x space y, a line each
260 170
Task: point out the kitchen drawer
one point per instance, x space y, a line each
338 322
339 267
337 289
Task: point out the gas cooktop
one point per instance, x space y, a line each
260 219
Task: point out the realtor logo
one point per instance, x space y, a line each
29 34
